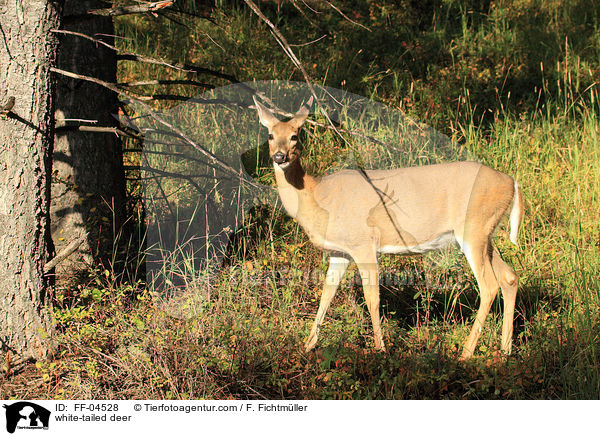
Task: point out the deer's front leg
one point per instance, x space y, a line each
335 272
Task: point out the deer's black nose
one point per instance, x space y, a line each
279 157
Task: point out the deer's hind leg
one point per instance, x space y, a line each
478 254
369 274
509 283
490 198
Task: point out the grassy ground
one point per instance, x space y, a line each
514 82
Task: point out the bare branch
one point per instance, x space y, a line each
284 44
98 129
168 82
112 86
175 97
132 9
309 42
206 153
130 133
308 6
141 98
176 66
345 16
165 14
182 156
130 56
160 188
163 173
142 8
290 53
84 36
303 14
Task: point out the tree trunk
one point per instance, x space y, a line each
26 133
88 186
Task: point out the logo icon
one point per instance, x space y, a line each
26 415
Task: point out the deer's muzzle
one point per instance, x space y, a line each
280 158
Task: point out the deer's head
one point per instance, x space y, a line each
284 147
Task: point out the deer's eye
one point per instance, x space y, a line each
294 137
270 136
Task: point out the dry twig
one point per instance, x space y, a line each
178 132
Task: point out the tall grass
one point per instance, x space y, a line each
553 153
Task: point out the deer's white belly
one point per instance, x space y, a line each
441 241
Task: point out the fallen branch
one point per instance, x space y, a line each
66 252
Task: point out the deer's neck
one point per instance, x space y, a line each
297 192
295 189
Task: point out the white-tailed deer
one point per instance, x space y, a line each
403 211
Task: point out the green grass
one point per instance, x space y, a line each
515 84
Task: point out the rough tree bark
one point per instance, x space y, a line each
26 132
88 186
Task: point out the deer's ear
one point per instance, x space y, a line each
265 115
302 113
